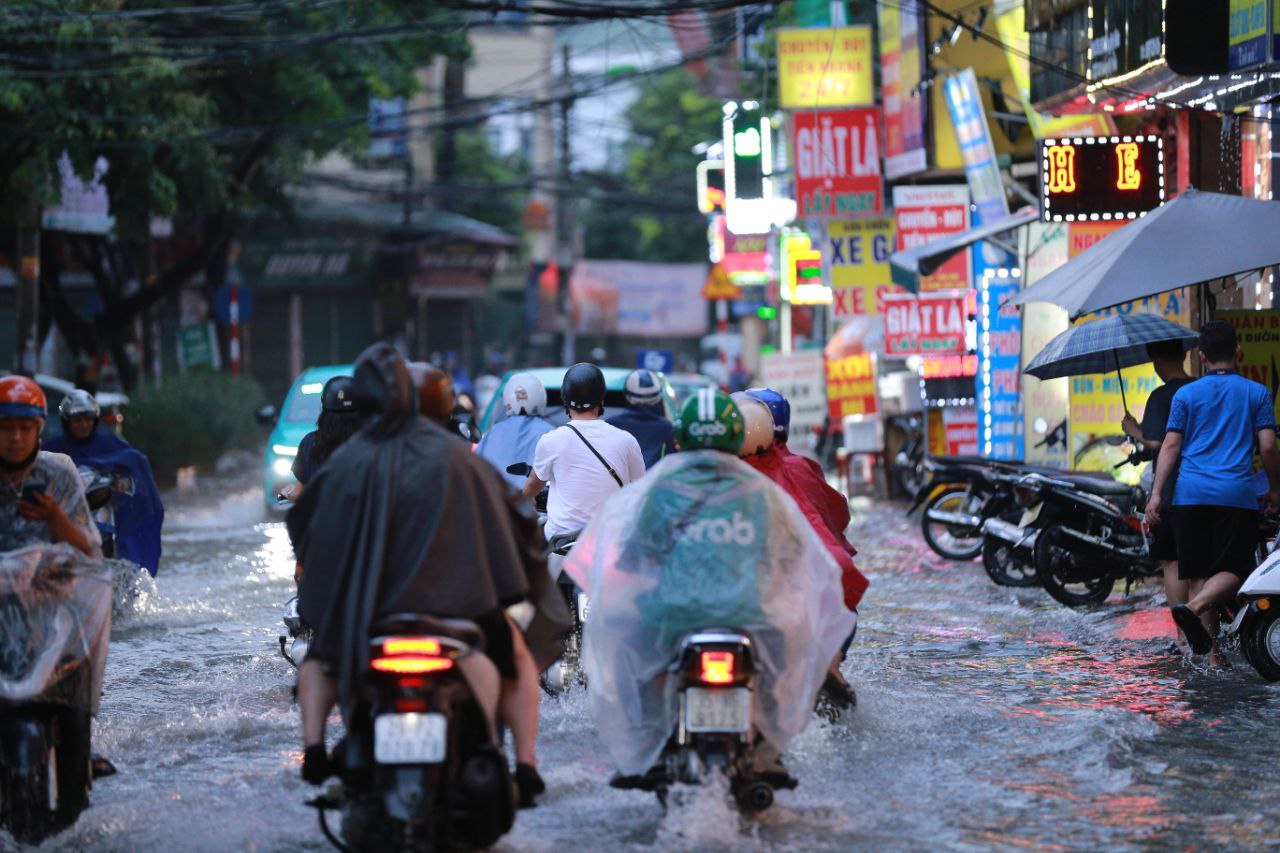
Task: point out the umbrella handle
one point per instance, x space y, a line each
1125 403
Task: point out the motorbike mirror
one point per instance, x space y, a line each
520 469
1116 440
267 415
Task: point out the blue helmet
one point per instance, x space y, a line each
778 407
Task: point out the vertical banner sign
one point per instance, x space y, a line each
851 386
800 377
749 204
1247 34
856 255
1045 403
901 67
926 213
1259 334
929 324
999 351
836 155
824 67
973 135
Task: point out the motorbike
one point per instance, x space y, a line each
1087 534
908 463
56 617
1256 622
132 583
959 496
420 767
297 637
715 675
567 671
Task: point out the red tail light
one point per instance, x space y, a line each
411 656
717 668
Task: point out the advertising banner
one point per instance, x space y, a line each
928 324
799 376
953 431
856 256
977 149
1247 34
851 386
901 68
923 214
83 207
1259 334
824 67
1045 403
637 298
836 155
999 351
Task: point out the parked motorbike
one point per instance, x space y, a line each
715 681
908 463
960 495
1256 625
1089 533
421 767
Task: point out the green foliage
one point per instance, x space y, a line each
653 215
490 188
194 419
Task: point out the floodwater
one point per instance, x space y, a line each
988 718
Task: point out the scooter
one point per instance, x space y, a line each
420 767
132 583
297 637
960 495
1257 620
715 677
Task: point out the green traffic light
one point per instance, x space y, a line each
766 312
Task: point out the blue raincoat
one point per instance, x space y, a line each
140 515
510 441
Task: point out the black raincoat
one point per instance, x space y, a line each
403 518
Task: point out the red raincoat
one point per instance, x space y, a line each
824 507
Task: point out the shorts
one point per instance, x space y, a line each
1214 539
498 642
1164 544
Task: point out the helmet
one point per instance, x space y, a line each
757 424
582 388
643 388
524 395
435 391
337 396
78 402
778 407
21 397
709 420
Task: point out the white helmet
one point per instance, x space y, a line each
643 388
78 402
524 395
758 421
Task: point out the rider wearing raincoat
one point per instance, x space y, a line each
703 540
512 440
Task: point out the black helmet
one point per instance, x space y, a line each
337 396
582 388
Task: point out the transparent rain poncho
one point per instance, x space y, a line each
55 624
702 541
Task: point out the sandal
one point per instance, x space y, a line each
530 784
1197 636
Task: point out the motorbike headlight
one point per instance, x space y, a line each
282 467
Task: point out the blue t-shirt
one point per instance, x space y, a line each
655 433
1219 416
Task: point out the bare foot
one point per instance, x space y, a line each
1217 660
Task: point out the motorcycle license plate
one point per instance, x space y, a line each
1030 515
410 738
718 709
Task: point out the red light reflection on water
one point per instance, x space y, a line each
1149 624
1125 681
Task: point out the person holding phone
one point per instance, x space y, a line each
43 497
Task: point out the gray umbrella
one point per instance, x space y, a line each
1107 344
1197 237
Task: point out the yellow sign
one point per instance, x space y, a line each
856 252
824 67
719 285
1259 334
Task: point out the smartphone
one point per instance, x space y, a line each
30 490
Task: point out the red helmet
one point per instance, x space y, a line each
21 397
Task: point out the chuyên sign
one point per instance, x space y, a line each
856 254
928 324
1259 335
836 155
851 386
824 67
923 214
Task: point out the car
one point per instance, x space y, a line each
686 385
615 399
112 404
295 419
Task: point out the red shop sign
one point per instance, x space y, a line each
837 162
928 324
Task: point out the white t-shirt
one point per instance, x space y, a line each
579 482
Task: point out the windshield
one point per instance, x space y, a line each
304 408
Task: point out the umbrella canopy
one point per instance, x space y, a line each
1197 237
1108 344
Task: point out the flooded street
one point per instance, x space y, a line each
987 718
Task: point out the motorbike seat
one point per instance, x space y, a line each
1102 488
463 630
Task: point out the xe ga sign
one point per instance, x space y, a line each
928 324
837 162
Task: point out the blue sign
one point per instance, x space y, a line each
220 304
973 135
999 362
657 360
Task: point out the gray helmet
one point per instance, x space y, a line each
78 402
643 388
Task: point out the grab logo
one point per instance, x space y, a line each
718 531
698 429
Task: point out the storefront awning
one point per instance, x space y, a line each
906 267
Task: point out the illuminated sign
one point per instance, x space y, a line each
1101 178
948 366
802 271
710 182
749 203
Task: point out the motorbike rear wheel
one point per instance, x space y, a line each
1006 565
952 541
1072 578
44 772
1260 642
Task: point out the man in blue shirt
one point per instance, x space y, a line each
1212 428
644 417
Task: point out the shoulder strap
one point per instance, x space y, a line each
603 461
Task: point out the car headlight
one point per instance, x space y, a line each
282 467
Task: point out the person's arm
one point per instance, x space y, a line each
1170 453
43 507
1271 464
532 486
543 456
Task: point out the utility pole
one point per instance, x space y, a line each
26 342
564 215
